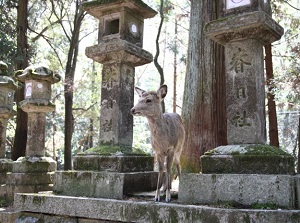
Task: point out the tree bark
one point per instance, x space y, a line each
19 147
273 125
203 112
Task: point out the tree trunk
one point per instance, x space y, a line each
175 68
298 163
68 87
155 60
19 147
273 126
203 112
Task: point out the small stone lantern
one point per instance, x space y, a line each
37 103
7 89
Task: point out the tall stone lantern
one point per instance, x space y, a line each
247 166
34 172
120 50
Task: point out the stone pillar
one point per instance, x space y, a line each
34 172
7 89
119 50
116 126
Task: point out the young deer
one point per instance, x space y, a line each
167 134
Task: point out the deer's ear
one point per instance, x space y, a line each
139 91
162 91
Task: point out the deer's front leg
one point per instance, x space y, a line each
160 160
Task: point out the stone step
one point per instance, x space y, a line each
53 208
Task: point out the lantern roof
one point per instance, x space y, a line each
38 73
98 8
5 79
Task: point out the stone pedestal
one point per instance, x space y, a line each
107 176
30 175
238 189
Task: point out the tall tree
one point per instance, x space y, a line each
22 61
75 23
204 100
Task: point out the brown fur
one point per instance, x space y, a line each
167 134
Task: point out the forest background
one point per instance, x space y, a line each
57 33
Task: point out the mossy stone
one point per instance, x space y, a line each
247 159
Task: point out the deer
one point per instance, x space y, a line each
167 134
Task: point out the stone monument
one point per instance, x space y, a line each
34 172
241 171
7 90
119 49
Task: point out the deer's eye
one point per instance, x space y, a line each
148 101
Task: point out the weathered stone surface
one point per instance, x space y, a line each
5 165
103 184
29 178
297 185
253 25
130 211
34 165
100 8
245 103
247 159
117 94
120 164
245 189
8 215
118 50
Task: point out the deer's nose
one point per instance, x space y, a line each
132 111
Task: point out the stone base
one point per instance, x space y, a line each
34 165
120 164
244 189
5 166
56 209
29 175
103 184
247 159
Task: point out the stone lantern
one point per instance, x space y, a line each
34 172
37 103
7 89
119 49
247 166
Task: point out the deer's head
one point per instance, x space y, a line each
149 104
